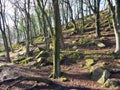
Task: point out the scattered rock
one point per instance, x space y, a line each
100 44
100 75
74 47
73 42
104 77
110 84
42 54
41 59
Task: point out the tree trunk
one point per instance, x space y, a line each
82 15
6 46
117 35
56 55
97 24
27 26
2 28
116 23
9 38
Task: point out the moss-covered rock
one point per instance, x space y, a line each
110 84
63 79
100 75
41 60
17 61
76 56
25 61
104 77
89 62
74 47
42 54
102 64
22 60
100 44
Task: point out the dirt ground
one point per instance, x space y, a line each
78 78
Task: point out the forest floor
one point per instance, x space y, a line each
78 77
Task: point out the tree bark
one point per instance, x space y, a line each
2 28
56 55
116 23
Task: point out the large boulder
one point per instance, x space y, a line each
100 75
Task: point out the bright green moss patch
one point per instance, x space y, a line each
89 62
63 79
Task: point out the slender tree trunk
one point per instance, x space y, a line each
9 38
2 28
56 55
6 46
97 22
16 26
117 11
82 15
97 16
27 7
116 23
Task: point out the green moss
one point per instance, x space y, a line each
16 46
42 54
49 61
63 79
89 62
96 57
76 56
81 65
25 61
110 84
2 54
74 47
38 39
102 64
22 61
70 25
41 59
83 40
17 61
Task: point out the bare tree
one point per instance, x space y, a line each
95 8
56 59
116 22
3 29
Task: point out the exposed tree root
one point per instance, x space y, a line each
29 78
